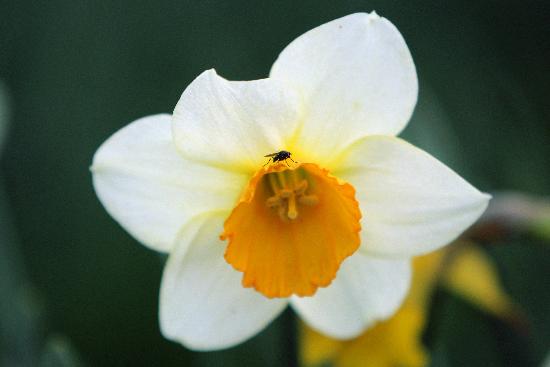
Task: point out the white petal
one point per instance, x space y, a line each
150 189
366 289
234 124
202 302
357 78
411 203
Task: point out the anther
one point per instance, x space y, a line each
308 200
273 201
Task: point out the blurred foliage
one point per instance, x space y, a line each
79 70
459 334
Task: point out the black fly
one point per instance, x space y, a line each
280 156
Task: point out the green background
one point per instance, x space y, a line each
78 290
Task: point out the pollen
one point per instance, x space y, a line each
291 230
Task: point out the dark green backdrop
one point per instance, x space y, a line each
77 289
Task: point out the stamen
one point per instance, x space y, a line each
282 179
301 187
273 182
289 189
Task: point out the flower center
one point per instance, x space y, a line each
291 229
289 188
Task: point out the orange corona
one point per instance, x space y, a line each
291 230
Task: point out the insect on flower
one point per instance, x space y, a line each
280 156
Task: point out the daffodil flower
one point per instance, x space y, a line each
330 231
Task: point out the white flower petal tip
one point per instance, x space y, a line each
203 305
356 77
233 124
365 291
145 184
411 203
